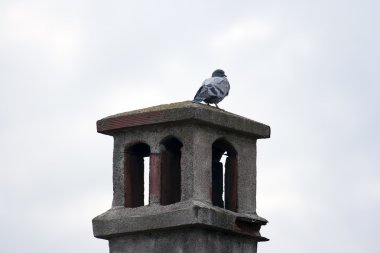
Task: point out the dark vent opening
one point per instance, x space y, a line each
224 175
170 171
134 174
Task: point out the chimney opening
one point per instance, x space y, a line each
170 171
224 175
135 167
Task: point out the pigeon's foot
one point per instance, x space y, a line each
219 107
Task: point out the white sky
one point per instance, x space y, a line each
309 69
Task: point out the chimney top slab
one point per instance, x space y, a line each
186 111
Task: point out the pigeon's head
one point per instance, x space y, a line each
218 73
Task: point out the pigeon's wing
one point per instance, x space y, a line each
217 86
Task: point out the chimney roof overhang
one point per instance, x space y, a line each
182 112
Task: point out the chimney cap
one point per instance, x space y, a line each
182 111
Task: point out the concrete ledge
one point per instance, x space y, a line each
119 221
183 111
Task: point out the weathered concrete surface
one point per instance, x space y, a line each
185 240
183 111
119 221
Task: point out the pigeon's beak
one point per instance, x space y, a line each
224 75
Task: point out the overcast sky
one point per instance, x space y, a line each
309 69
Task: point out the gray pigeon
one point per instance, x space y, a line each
213 89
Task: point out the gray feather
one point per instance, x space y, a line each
213 90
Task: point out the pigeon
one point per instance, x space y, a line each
213 89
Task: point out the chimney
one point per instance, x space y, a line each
202 181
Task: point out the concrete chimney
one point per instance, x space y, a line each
202 181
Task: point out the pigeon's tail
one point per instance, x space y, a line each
201 94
